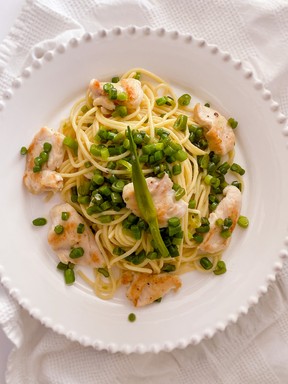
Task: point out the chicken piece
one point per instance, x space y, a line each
145 289
163 197
131 87
229 206
63 243
218 133
47 179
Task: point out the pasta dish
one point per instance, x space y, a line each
149 185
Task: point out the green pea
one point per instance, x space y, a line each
40 221
75 253
23 151
59 229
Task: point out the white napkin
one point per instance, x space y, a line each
255 349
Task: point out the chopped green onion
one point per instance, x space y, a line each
118 251
105 219
181 155
174 230
220 268
118 186
179 193
198 238
80 228
184 100
207 105
65 216
40 221
237 184
83 200
131 317
75 253
152 255
137 76
23 151
168 268
98 179
232 123
69 276
71 143
192 204
226 233
206 263
97 199
84 109
59 229
220 222
173 222
228 222
223 168
161 101
122 96
106 205
180 123
104 272
61 266
237 168
105 190
243 221
176 169
125 164
120 110
115 79
116 197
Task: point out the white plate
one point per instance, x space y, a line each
206 303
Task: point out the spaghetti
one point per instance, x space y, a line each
97 166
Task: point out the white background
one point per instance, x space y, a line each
9 10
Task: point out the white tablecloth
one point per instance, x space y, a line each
255 350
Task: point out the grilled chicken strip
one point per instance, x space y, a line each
131 87
48 179
145 288
69 239
218 133
163 198
229 206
